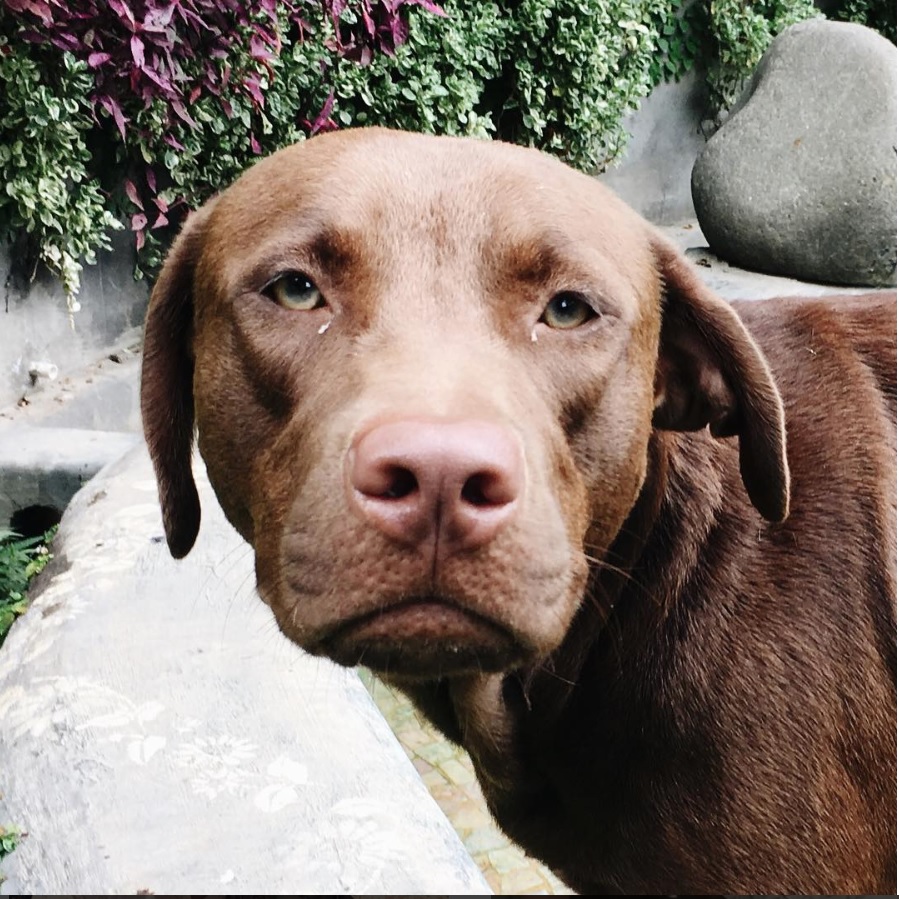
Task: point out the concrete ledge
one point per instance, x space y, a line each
159 734
48 466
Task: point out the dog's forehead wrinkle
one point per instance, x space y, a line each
456 193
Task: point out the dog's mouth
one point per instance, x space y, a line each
423 637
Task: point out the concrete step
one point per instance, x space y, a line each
48 466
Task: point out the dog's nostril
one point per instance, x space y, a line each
474 490
401 482
485 489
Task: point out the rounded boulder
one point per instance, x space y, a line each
801 179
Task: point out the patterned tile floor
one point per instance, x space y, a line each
446 771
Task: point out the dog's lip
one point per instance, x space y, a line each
432 614
423 636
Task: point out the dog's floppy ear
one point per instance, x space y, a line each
710 372
166 386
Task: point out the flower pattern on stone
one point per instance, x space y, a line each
218 764
288 775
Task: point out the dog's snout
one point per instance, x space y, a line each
451 484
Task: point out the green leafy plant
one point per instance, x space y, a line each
576 69
20 560
10 837
678 41
735 34
135 78
877 14
50 203
555 74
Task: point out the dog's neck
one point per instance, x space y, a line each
491 712
612 582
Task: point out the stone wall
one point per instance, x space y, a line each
40 341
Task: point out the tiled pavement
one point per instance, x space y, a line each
446 771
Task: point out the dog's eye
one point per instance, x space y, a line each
567 310
296 291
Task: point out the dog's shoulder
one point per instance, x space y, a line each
833 346
834 362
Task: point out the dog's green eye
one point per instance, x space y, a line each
296 291
567 310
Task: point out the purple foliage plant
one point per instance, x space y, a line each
141 52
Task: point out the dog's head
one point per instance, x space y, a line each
425 373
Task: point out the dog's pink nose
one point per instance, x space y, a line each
450 484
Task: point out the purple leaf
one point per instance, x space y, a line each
123 11
252 87
324 116
368 21
258 49
110 104
33 37
95 60
168 88
182 113
254 144
160 221
398 34
35 7
138 221
303 25
65 42
172 141
158 19
160 202
131 191
151 183
137 51
363 55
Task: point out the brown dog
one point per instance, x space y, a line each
489 435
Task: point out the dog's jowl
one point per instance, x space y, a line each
631 546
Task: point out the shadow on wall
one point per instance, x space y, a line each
666 137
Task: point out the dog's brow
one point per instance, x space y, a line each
318 249
335 249
531 260
548 259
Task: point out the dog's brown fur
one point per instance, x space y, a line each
674 665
